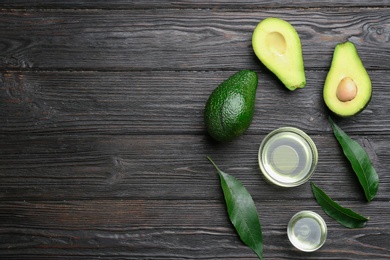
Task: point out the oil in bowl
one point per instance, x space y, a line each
287 157
307 231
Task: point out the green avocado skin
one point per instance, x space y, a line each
230 107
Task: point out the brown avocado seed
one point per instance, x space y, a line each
346 90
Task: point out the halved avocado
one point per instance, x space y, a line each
347 89
276 43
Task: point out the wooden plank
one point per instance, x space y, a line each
102 144
189 39
216 4
173 229
166 167
52 103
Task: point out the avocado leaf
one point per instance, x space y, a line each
242 211
360 162
344 216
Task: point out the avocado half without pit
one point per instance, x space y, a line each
277 45
347 89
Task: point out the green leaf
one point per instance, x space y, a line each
360 162
242 211
344 216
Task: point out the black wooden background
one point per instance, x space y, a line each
102 143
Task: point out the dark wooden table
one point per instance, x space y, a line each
102 143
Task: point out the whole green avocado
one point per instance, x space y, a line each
230 107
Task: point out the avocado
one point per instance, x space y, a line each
278 46
347 89
230 107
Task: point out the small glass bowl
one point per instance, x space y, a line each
287 157
307 231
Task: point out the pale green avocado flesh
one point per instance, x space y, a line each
277 45
347 67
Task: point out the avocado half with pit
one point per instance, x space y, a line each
347 89
277 45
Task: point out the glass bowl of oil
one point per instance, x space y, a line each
307 231
287 157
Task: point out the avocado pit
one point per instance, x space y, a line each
346 90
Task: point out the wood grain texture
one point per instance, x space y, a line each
185 4
102 143
166 167
172 229
188 39
52 103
